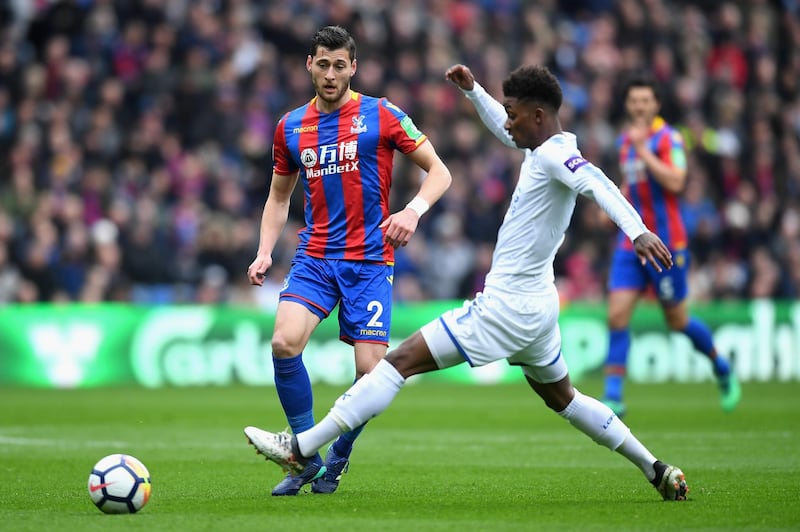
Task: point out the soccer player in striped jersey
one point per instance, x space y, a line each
653 165
515 318
340 146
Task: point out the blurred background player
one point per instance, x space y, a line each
653 166
341 146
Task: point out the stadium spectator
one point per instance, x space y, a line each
135 87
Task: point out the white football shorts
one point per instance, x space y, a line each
522 329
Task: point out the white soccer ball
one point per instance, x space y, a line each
119 484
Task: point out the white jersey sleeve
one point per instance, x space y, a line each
491 112
573 170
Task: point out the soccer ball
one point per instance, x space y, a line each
119 484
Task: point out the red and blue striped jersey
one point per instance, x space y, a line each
659 208
345 164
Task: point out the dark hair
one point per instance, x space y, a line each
535 83
333 38
640 81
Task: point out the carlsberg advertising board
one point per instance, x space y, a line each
99 345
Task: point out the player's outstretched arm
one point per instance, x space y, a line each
651 249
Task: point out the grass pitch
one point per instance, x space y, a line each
443 457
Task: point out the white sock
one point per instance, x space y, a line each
598 421
309 441
636 452
365 399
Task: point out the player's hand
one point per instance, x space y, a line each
461 76
651 249
258 269
638 134
400 227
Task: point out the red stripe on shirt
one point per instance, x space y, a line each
385 160
319 205
677 231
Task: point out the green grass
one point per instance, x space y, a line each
443 457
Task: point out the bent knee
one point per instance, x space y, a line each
284 346
620 308
676 321
556 395
366 361
412 357
401 359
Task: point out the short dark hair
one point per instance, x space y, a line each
333 38
535 83
638 81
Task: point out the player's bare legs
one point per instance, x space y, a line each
412 357
368 355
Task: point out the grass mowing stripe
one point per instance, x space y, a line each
443 457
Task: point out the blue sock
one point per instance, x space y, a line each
343 445
619 344
294 391
700 335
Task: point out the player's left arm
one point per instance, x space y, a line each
668 164
401 226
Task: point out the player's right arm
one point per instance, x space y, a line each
273 219
491 112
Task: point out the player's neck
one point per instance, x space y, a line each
329 107
553 130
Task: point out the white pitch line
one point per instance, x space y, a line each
112 444
48 442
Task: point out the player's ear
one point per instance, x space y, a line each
353 67
308 63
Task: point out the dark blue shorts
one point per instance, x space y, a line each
627 272
363 291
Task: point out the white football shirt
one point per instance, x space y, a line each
551 176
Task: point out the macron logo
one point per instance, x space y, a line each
573 163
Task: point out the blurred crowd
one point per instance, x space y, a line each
135 136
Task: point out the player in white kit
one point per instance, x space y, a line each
516 316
